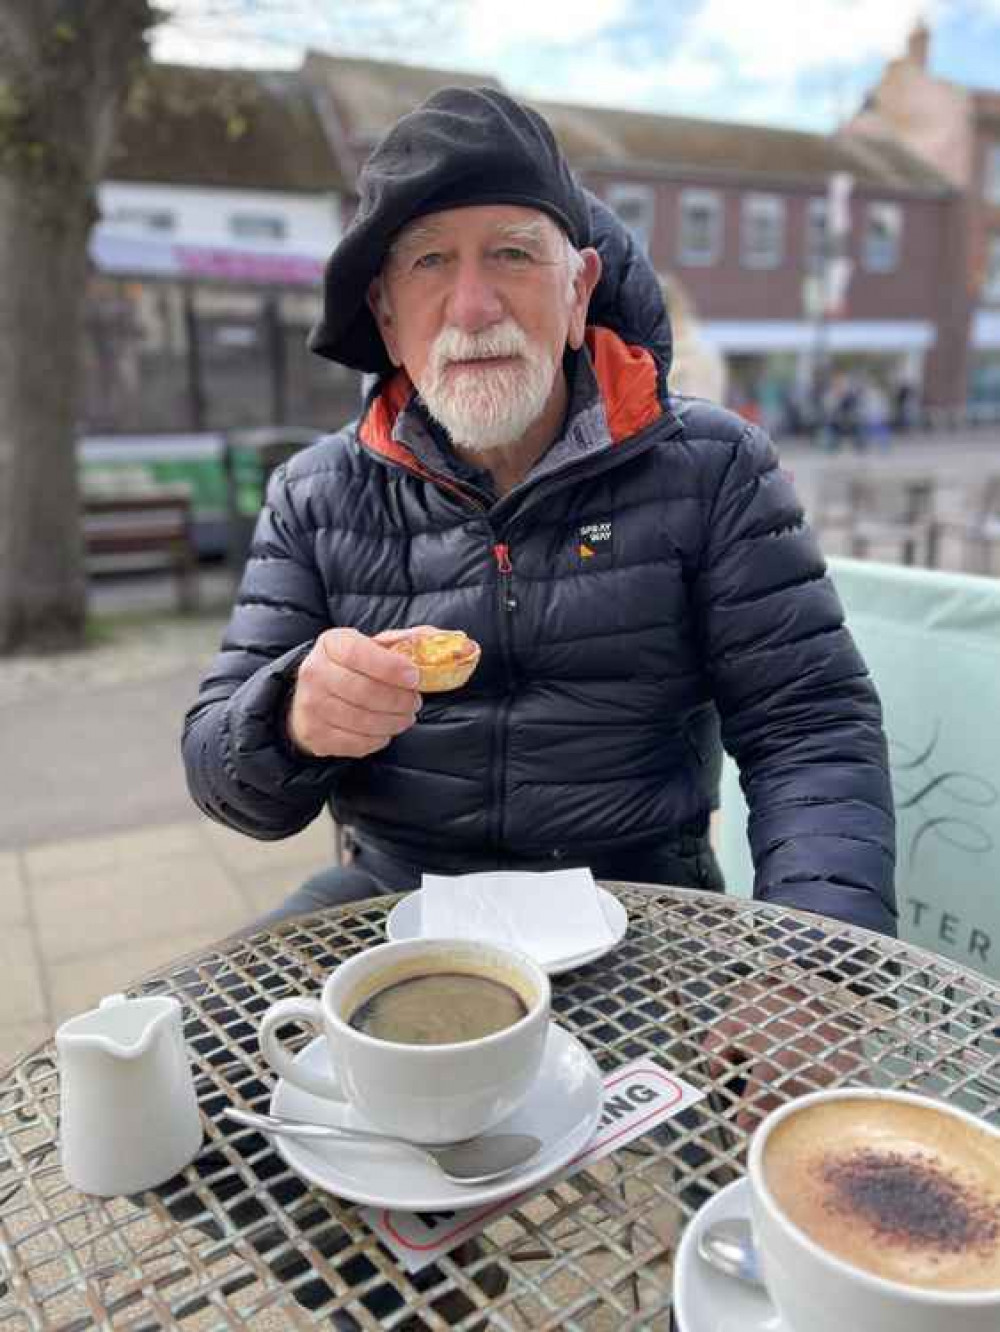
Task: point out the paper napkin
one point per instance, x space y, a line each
548 916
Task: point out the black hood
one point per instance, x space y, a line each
628 299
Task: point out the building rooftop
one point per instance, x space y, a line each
307 131
371 95
597 138
234 128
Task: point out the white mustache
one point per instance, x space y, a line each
452 344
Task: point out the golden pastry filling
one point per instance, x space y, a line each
445 659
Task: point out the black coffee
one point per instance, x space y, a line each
440 1008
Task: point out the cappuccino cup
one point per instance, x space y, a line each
433 1040
878 1211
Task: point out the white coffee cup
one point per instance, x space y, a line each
815 1290
427 1093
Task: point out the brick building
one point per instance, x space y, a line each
956 131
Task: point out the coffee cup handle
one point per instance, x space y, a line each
310 1012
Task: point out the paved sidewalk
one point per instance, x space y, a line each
81 917
107 869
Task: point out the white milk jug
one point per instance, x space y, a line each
129 1115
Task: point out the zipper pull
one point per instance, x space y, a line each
501 553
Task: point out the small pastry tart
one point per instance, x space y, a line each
445 659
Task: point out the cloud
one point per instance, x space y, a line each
794 62
784 38
471 33
596 83
803 63
489 28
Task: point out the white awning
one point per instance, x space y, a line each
839 335
139 256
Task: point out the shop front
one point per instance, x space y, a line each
201 338
984 365
781 372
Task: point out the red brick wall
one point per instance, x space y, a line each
728 290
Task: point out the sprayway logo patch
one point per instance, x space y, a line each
595 544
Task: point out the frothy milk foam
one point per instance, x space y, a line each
907 1192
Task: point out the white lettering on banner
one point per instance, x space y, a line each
637 1097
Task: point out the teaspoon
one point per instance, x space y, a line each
475 1161
729 1247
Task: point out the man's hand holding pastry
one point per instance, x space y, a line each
355 694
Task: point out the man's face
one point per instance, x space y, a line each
478 304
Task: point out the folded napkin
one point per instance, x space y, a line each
551 917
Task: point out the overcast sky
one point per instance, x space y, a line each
803 63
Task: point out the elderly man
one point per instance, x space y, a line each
628 561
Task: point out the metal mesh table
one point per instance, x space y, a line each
239 1241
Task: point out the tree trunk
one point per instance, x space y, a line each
41 572
64 70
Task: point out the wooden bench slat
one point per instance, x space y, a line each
143 530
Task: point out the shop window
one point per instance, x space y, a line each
234 356
135 368
991 278
159 221
257 226
816 235
883 237
992 178
701 227
635 205
164 356
984 379
319 392
762 231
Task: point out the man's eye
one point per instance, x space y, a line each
514 256
433 259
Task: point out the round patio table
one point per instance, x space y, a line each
237 1240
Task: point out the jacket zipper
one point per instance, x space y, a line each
501 552
506 605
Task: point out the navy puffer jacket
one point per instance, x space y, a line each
653 564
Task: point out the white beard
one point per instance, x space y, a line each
490 407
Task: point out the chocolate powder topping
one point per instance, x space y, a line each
910 1200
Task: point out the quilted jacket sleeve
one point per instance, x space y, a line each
241 768
799 711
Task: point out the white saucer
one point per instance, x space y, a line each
403 922
708 1301
563 1109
